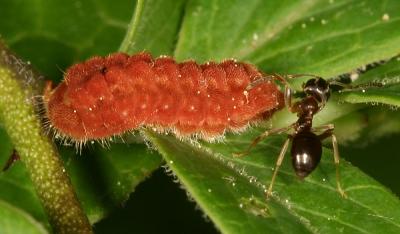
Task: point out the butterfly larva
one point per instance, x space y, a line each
107 96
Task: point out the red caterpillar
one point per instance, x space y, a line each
103 97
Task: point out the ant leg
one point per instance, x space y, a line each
329 133
336 157
328 128
261 137
267 78
277 77
288 99
288 91
277 166
301 75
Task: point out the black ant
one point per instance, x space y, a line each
306 149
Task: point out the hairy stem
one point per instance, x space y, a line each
35 149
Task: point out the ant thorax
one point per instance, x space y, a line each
317 93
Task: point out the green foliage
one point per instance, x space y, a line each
17 221
103 178
320 37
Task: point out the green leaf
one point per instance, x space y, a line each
17 190
230 190
103 178
365 127
325 38
388 75
154 27
52 35
320 37
15 220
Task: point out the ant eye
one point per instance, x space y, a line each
322 83
310 83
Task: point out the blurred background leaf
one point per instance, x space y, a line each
17 221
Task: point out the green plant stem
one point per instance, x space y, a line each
35 149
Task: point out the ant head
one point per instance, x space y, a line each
317 88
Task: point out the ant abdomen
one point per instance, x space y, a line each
306 153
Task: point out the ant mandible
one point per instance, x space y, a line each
306 147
